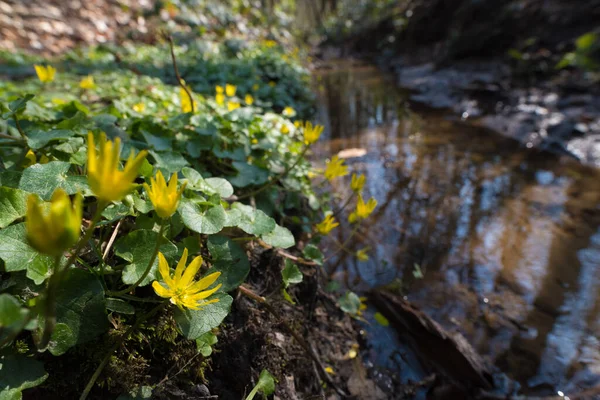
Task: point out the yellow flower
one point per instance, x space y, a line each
270 43
181 288
104 177
165 199
219 89
327 225
45 74
363 210
255 87
298 124
55 231
186 105
249 99
289 111
284 129
358 182
272 83
232 105
353 352
139 107
312 133
58 101
329 370
87 83
30 159
362 254
335 168
220 99
230 90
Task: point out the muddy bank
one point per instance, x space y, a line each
561 115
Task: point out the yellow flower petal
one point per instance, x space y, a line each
230 90
161 290
190 271
181 288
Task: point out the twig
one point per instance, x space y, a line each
179 80
309 350
282 253
299 260
167 377
111 240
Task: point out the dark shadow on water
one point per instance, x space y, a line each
507 239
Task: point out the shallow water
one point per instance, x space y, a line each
507 239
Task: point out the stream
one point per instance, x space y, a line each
493 240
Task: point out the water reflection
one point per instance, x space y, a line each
508 240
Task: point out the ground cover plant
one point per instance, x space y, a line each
131 182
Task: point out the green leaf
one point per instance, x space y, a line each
280 237
11 311
312 252
43 179
287 296
220 186
141 393
195 323
265 385
291 274
137 248
253 222
62 339
19 256
18 373
16 106
381 320
13 316
350 303
13 205
120 306
199 219
169 162
80 306
205 342
248 175
158 143
37 139
234 216
210 186
586 41
229 259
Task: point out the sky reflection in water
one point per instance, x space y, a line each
508 239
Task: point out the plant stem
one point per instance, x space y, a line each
88 235
5 136
179 80
57 276
277 178
336 213
18 125
150 263
118 344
